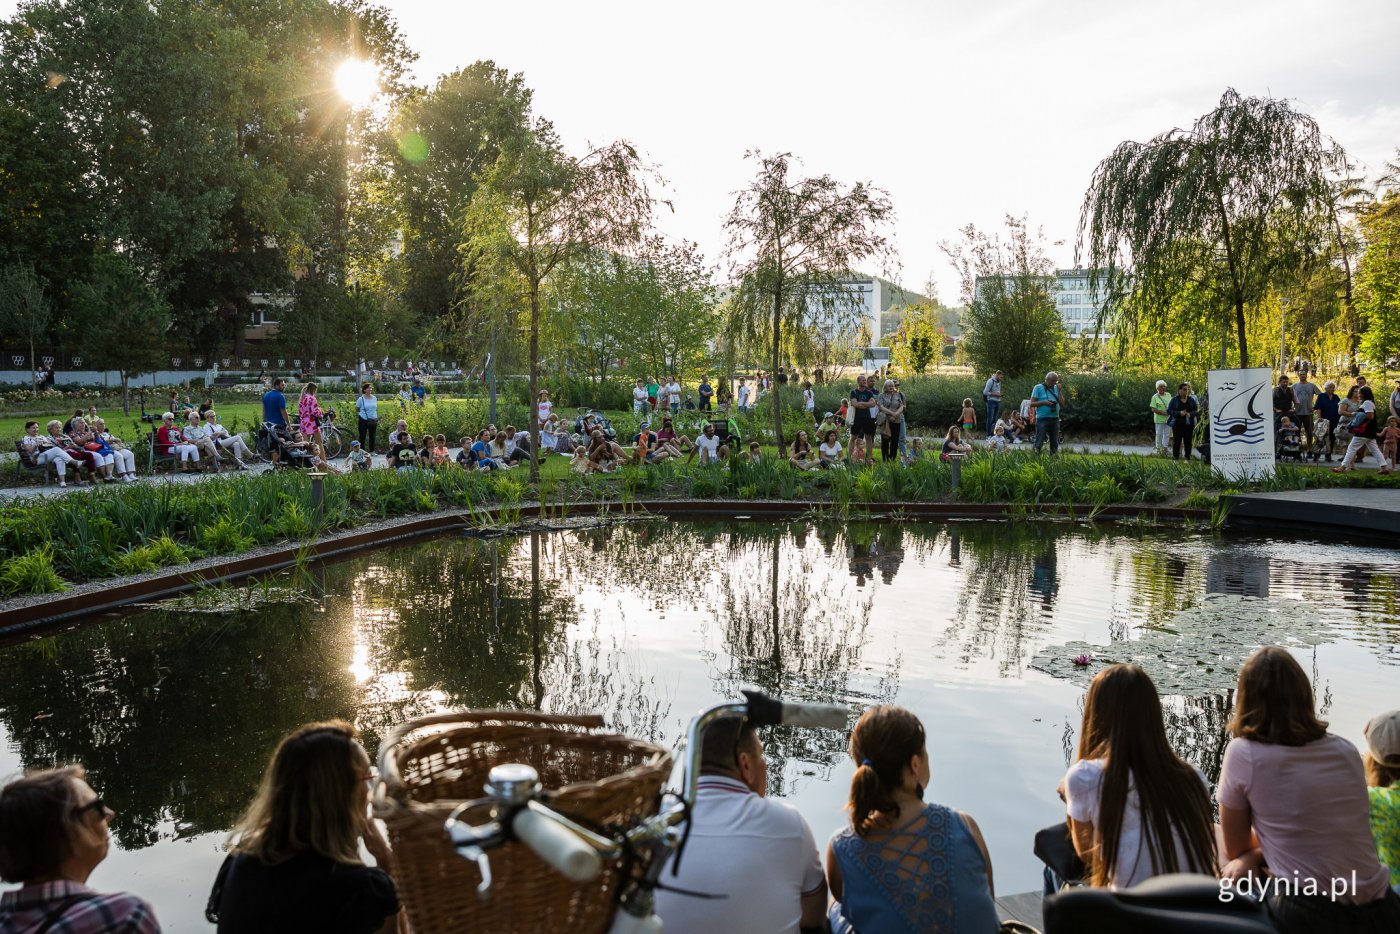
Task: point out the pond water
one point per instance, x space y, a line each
175 709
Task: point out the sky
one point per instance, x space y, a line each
964 111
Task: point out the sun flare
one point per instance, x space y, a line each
357 80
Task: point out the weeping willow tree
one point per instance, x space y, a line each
1221 210
793 246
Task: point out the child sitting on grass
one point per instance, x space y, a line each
997 442
916 452
755 455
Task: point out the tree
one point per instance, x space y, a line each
1009 321
1226 205
919 339
116 293
25 310
538 208
1378 282
793 246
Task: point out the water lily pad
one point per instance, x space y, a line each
1202 647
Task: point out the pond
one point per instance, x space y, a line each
174 709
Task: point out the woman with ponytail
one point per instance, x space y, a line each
903 866
1136 810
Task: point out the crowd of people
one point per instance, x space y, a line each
1303 817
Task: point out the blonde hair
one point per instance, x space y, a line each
308 798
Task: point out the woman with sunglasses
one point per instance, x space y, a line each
295 864
54 831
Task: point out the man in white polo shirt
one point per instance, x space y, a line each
758 854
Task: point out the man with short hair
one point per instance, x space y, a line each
862 399
1305 391
707 393
1047 401
743 395
1284 406
991 394
274 403
757 855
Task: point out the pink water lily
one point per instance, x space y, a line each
1081 660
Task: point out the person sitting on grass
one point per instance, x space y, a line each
402 444
170 442
829 423
497 445
916 452
755 453
646 448
667 436
481 452
997 442
954 444
400 428
464 454
859 452
440 456
54 831
518 446
709 447
801 455
357 457
579 462
829 451
1382 762
602 458
41 451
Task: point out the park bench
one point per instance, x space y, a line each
27 466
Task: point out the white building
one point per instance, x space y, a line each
876 302
1077 304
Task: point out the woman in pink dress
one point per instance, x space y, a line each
309 417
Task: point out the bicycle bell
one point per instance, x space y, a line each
513 784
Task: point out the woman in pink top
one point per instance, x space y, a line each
309 415
1293 804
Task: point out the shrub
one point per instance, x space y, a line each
455 418
31 573
226 536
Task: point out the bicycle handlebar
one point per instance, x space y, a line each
563 849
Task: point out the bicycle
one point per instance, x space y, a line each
578 853
332 442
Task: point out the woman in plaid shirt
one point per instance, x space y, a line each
53 833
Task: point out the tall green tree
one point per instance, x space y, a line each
919 340
1226 205
1009 319
25 310
538 208
793 245
440 140
116 294
1378 282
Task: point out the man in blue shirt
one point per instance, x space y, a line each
420 392
991 394
1046 397
707 393
275 403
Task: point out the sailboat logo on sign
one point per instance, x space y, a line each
1237 419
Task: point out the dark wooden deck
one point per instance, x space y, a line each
1024 907
1371 513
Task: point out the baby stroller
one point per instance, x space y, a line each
589 419
272 437
1290 447
1318 449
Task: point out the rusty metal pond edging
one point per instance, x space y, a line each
65 607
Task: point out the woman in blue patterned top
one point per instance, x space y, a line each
903 866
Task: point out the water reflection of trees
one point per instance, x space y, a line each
174 714
794 632
1011 581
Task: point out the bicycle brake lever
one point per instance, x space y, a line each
483 865
471 843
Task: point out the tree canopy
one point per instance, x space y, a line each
1224 207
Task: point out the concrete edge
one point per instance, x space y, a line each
65 607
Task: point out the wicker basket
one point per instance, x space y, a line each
431 765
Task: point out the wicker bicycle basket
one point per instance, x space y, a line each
430 765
